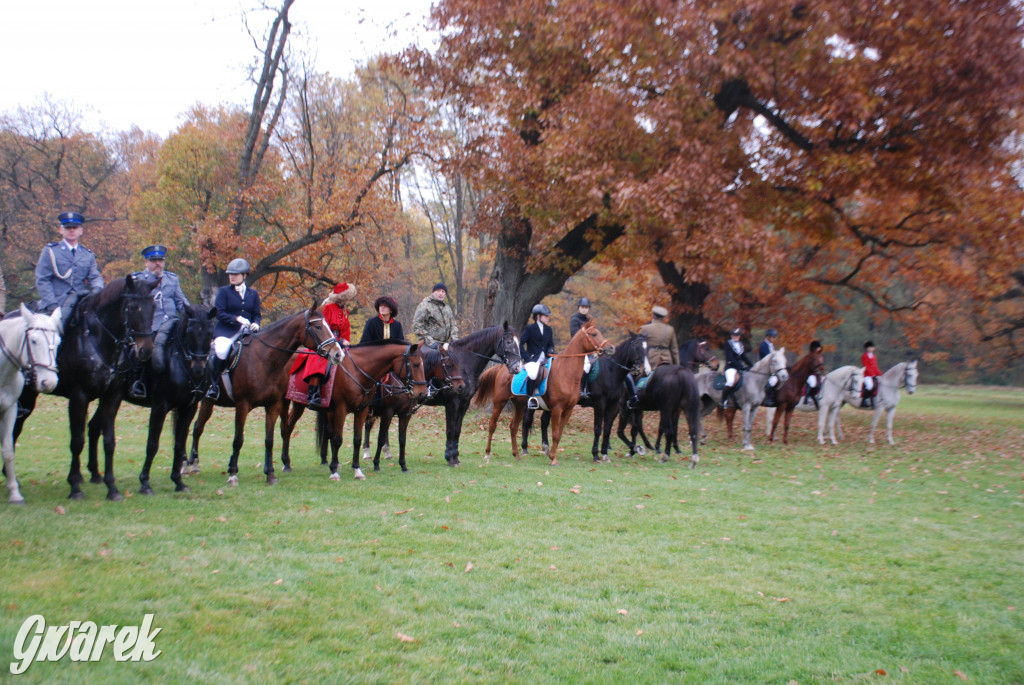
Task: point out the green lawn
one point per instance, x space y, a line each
795 563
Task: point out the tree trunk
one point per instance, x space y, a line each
513 290
3 292
686 313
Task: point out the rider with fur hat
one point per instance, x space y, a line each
314 367
384 326
433 323
536 344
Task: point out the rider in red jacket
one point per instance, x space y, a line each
871 373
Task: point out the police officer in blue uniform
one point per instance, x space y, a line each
167 296
536 344
66 270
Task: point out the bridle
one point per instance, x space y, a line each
321 347
448 372
407 384
25 360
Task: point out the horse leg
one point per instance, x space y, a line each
545 421
492 425
205 411
776 415
77 408
513 428
875 415
241 412
454 413
823 412
621 431
607 421
95 430
157 416
273 412
403 426
890 415
598 423
559 417
358 419
7 448
332 425
182 418
749 414
368 426
27 404
769 422
286 436
527 427
107 412
693 424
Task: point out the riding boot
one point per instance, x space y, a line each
584 388
770 395
727 392
159 361
216 366
634 399
313 393
531 401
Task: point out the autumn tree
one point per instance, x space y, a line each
755 153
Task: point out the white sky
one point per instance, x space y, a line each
145 62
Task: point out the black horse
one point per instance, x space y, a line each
106 335
671 390
605 394
177 388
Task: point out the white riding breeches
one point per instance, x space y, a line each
587 365
533 368
221 347
869 383
731 376
812 381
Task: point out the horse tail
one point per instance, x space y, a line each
488 384
321 430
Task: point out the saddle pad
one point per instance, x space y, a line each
642 383
298 389
519 381
719 382
592 376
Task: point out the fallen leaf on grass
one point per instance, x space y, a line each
278 581
555 548
639 632
216 570
402 637
880 671
623 612
575 490
60 510
959 674
781 599
191 518
552 568
221 519
639 506
404 511
469 567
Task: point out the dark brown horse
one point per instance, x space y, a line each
560 397
442 375
355 381
791 392
260 379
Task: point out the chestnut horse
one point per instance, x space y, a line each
260 379
791 392
355 381
561 395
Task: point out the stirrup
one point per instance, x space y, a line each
533 402
23 412
632 402
214 392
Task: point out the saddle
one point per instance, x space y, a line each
519 381
719 382
298 389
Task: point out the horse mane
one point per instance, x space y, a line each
111 294
381 343
485 336
431 358
272 327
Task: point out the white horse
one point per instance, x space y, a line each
750 394
28 343
843 386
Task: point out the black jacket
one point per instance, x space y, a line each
736 360
576 323
533 342
374 330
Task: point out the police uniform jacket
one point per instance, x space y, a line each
230 306
536 338
765 349
58 273
576 323
736 358
662 346
167 296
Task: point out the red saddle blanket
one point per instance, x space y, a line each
298 389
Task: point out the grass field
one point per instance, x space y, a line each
795 563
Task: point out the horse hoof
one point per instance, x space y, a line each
323 463
20 500
748 448
183 489
271 479
359 475
693 463
287 469
335 476
456 462
554 462
77 495
115 497
145 490
663 458
546 449
405 469
194 470
640 450
233 481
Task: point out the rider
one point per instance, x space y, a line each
767 347
536 344
66 270
313 366
433 323
871 373
384 326
581 317
736 361
238 310
662 348
812 380
167 296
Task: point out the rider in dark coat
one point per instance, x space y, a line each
384 326
581 317
536 344
238 308
767 347
735 358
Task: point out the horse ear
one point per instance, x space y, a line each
413 347
58 320
26 312
505 325
212 314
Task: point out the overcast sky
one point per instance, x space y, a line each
145 62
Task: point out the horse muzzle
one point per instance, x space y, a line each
45 381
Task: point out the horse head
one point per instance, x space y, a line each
42 338
321 339
910 376
446 371
137 307
778 365
508 350
632 355
412 372
195 335
591 340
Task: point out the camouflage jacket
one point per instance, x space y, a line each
434 322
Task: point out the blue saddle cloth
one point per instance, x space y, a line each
642 383
519 381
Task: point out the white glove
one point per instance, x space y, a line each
244 321
254 327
